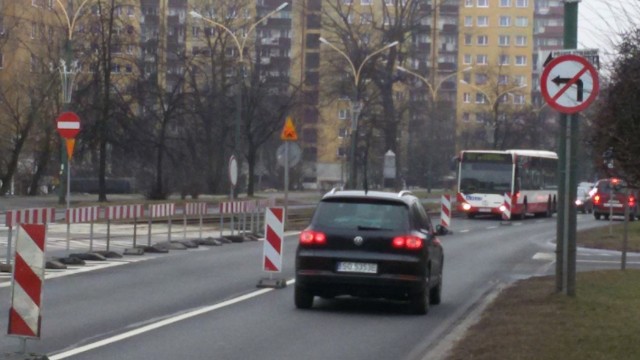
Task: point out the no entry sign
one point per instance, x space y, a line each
68 124
569 83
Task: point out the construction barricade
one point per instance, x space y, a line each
27 216
123 212
160 211
191 209
88 214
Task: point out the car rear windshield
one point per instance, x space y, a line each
362 215
605 187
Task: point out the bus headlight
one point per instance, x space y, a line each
502 208
466 207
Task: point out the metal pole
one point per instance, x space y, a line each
286 176
625 236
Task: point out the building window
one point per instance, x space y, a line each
347 2
343 114
481 79
521 40
504 59
481 59
342 132
522 21
521 60
365 2
520 80
505 3
505 21
366 18
503 79
1 61
503 40
467 59
466 98
483 21
483 40
468 3
522 3
518 99
467 39
483 3
465 117
480 98
468 21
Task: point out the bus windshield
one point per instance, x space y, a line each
485 177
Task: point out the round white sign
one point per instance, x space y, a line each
233 170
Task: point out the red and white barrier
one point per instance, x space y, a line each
231 207
506 213
162 210
28 278
274 234
30 216
26 216
445 211
123 212
82 214
195 209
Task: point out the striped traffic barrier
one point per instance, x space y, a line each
229 207
506 212
123 212
272 246
194 209
445 211
26 216
81 215
262 205
161 210
28 277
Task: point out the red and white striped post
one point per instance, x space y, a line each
26 216
28 278
272 247
445 211
506 213
81 215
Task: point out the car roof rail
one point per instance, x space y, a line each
404 192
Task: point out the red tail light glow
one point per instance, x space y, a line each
596 199
409 242
632 201
310 237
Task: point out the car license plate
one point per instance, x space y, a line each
612 204
357 267
485 210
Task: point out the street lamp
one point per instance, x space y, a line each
240 45
433 90
356 105
493 102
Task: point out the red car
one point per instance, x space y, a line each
609 199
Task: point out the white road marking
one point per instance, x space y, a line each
159 324
544 256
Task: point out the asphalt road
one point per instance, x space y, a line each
203 303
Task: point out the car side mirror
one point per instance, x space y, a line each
441 230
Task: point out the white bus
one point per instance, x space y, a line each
528 176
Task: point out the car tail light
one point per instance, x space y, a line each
409 242
596 199
632 201
310 237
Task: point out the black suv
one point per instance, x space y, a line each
370 244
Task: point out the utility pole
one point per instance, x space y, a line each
434 73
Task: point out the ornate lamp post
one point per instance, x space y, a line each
356 105
433 91
240 45
493 103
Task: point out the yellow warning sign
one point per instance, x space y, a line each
289 131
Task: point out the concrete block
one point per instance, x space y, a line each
134 251
109 254
55 265
91 256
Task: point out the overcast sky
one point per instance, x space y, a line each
599 22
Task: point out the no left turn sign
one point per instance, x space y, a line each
569 83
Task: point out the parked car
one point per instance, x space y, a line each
372 245
610 197
584 202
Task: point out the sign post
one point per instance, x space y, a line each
288 134
233 174
569 84
68 125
